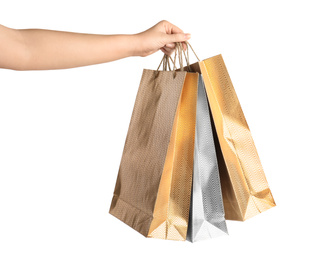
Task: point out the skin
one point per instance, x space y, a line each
38 49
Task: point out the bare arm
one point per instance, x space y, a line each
37 49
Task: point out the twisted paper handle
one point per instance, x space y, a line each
179 48
179 51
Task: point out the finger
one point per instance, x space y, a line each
184 46
173 45
163 50
171 28
169 51
177 37
170 45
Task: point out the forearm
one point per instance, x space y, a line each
38 49
46 49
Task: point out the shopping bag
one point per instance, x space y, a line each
244 186
153 187
206 210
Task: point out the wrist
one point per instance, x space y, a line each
135 44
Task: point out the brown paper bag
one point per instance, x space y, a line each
153 188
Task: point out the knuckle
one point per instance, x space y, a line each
163 21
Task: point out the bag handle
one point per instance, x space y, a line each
166 63
179 52
179 48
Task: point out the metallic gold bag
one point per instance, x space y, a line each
245 189
153 188
244 186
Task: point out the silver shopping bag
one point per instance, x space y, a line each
206 210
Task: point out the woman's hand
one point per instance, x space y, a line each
161 36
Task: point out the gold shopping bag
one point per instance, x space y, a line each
243 183
153 187
244 186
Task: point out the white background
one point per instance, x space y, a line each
62 132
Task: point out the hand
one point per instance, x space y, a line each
161 36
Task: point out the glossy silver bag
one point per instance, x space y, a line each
207 218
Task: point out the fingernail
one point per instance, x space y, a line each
187 36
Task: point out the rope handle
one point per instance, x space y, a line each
179 51
186 54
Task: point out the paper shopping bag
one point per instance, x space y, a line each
153 188
206 210
244 186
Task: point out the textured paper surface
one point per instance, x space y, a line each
171 212
206 211
145 148
244 186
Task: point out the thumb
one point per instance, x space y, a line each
178 37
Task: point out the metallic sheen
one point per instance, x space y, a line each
145 149
153 188
206 211
245 189
171 212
